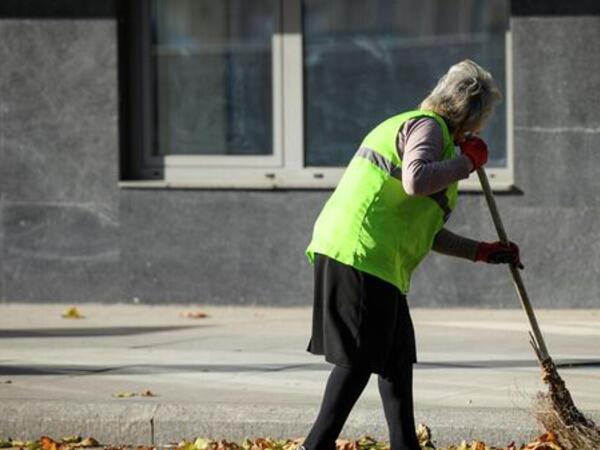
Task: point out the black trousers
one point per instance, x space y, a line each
344 386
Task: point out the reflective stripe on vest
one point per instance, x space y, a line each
380 161
396 172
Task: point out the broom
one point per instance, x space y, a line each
555 410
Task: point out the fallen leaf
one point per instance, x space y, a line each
260 444
226 445
30 445
546 441
201 444
88 442
124 394
343 444
424 437
70 439
72 313
47 443
478 445
148 393
185 445
463 446
195 315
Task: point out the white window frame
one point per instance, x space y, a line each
285 168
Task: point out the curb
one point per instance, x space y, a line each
157 424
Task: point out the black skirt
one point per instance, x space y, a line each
360 320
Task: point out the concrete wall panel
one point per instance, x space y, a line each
70 234
555 66
60 252
557 168
59 160
217 246
60 117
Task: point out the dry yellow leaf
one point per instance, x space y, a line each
201 444
124 394
88 442
30 445
72 313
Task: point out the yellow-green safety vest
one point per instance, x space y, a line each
370 222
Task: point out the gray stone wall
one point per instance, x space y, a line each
59 160
555 219
68 233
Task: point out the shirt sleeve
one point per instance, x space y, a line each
451 244
420 145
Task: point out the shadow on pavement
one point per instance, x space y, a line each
141 369
89 332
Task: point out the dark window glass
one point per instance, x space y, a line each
366 60
213 76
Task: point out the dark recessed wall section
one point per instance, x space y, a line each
128 54
137 87
555 7
57 9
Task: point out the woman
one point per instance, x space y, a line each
386 213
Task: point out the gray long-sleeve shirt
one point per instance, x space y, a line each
420 145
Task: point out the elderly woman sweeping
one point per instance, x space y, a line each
387 212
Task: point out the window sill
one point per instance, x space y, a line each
304 180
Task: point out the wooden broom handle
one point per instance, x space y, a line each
538 339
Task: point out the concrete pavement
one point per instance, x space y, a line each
244 371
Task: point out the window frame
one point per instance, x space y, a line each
285 168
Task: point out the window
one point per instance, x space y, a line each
279 93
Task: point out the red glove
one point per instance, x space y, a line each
498 253
476 150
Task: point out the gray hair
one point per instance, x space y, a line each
465 96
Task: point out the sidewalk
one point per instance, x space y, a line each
244 371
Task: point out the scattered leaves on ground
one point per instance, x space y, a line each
72 313
194 315
546 441
126 394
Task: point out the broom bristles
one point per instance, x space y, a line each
557 413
